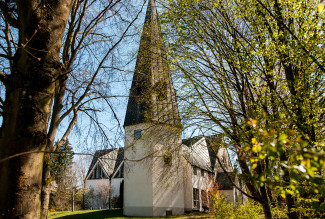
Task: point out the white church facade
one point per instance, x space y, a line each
157 173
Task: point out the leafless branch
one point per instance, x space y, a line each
99 67
10 18
69 129
3 77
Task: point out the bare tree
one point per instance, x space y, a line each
52 59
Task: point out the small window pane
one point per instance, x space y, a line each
168 159
137 134
194 170
202 172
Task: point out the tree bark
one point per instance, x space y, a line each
267 210
45 191
27 108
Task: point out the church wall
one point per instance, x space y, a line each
200 149
168 187
163 180
201 183
116 182
98 193
188 188
137 174
225 160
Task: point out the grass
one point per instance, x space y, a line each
117 214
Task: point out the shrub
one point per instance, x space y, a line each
278 212
222 208
250 210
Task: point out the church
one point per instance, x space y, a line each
158 173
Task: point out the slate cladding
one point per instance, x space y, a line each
152 94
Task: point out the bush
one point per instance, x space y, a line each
222 208
278 212
250 210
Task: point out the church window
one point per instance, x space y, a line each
194 170
137 134
196 198
168 159
202 172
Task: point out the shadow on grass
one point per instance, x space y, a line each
96 215
117 214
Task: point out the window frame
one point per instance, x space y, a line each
196 198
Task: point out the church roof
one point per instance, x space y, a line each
98 154
119 159
212 146
152 95
110 160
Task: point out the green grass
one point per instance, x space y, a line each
117 214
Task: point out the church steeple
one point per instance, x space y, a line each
152 94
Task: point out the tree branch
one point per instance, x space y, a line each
12 21
69 129
3 77
234 184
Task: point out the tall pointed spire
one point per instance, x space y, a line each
152 94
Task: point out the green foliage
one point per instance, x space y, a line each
222 207
250 210
280 213
304 166
61 160
62 173
255 70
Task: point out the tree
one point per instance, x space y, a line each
61 160
253 69
63 175
52 59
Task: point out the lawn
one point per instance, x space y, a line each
117 214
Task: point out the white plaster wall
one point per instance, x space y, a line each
151 186
168 186
202 183
188 187
200 149
97 184
199 181
116 183
101 188
137 174
223 153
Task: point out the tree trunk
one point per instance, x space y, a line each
267 210
45 194
291 205
27 108
27 111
